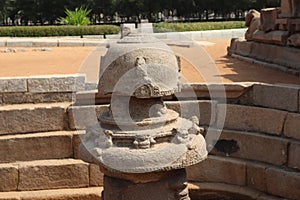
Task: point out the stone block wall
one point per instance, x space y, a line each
256 132
40 89
256 155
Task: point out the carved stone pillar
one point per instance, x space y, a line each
141 146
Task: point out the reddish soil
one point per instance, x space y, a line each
199 64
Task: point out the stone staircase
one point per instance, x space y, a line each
38 149
256 157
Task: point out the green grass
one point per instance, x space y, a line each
197 26
48 31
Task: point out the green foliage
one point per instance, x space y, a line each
78 17
47 31
197 26
40 12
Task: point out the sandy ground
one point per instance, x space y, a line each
199 64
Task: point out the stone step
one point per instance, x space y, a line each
44 175
38 146
93 193
30 118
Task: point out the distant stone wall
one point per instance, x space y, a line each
282 58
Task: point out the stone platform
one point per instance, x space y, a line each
283 58
263 116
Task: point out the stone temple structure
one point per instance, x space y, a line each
141 146
273 37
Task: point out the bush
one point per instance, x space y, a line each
48 31
78 17
197 26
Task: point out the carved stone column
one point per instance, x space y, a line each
141 146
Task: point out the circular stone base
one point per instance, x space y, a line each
172 187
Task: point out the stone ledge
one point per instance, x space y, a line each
30 118
268 149
13 84
38 146
214 90
43 84
191 91
53 174
219 169
283 183
276 96
96 176
27 98
249 118
71 43
261 179
9 177
256 175
274 56
56 83
294 155
292 126
93 193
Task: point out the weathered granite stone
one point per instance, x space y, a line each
239 144
294 25
292 126
38 146
283 183
96 176
268 19
294 40
285 9
256 176
294 155
276 96
28 118
3 43
52 97
282 24
279 26
8 177
70 43
272 37
138 142
18 43
247 118
57 83
13 85
93 193
220 170
77 137
290 8
252 22
81 117
244 48
140 57
53 174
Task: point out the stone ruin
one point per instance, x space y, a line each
139 144
273 36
